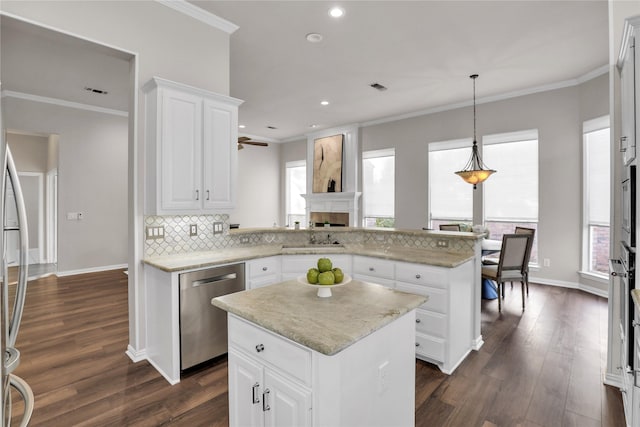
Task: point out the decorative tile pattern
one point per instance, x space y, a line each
177 239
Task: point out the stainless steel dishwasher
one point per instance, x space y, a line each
203 327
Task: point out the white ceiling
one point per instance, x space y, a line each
422 51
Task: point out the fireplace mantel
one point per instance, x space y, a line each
335 202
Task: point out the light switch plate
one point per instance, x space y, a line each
193 230
217 228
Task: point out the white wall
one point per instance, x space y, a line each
92 178
257 203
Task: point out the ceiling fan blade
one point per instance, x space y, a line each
261 144
243 138
240 146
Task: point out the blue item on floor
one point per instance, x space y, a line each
489 289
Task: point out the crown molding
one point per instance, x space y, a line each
62 103
200 14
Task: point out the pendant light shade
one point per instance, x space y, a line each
475 171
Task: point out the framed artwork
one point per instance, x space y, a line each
327 164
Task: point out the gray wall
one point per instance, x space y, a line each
92 178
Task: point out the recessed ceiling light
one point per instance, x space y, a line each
336 12
314 37
313 126
241 126
324 102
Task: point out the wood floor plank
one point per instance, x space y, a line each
75 332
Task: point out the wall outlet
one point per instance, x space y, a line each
442 243
154 232
75 216
193 230
546 262
217 228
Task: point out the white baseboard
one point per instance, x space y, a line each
477 343
91 270
135 355
164 374
571 285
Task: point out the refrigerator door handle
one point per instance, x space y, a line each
23 276
27 395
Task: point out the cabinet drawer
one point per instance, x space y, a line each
278 351
387 283
422 274
430 347
300 264
261 281
431 323
437 297
373 267
264 267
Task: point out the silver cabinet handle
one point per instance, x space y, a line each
254 393
264 268
259 348
265 404
622 140
197 194
207 194
418 276
417 320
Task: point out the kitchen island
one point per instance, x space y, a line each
297 359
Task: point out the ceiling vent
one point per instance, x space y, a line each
271 127
378 86
94 90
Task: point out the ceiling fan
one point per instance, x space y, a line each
246 140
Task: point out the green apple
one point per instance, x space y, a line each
324 264
312 275
338 274
326 278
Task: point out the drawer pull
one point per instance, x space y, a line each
256 396
418 276
259 348
264 269
417 320
265 405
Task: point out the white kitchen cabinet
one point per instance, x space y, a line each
262 271
191 154
444 324
294 266
374 270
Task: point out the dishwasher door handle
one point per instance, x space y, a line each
216 279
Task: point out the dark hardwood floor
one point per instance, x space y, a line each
542 367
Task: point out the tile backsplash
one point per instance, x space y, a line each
177 238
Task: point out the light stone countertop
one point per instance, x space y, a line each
635 295
326 325
193 260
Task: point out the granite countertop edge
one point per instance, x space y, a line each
635 295
195 260
302 333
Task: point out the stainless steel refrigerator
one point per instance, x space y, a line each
13 292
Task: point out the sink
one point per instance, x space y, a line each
313 248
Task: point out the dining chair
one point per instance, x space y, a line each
532 233
449 227
514 256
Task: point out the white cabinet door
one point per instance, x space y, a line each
220 152
628 107
245 391
180 147
285 404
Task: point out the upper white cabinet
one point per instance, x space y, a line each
191 151
628 72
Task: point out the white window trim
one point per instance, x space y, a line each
373 154
451 144
589 126
499 138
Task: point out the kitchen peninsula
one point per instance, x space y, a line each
442 266
297 359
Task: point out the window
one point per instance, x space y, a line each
596 190
450 198
378 188
296 184
511 194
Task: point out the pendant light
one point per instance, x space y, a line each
475 171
